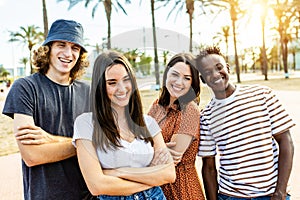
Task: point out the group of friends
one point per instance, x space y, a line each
92 141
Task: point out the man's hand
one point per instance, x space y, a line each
177 156
33 135
278 196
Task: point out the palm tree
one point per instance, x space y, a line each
264 6
132 55
274 57
3 73
286 12
156 66
30 36
24 61
224 34
165 56
189 8
145 64
45 19
234 9
108 4
294 48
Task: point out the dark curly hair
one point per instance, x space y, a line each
41 59
209 50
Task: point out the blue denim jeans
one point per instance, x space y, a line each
154 193
225 197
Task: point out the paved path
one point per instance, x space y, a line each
290 100
10 166
11 177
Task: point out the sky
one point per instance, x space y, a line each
125 29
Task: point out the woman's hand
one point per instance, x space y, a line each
177 156
161 156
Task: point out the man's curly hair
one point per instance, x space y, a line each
41 61
208 51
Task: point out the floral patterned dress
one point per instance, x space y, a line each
187 121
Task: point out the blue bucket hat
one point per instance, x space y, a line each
66 30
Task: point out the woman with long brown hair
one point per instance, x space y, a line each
115 141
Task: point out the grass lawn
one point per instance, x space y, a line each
8 144
291 84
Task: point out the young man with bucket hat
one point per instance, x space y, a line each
44 106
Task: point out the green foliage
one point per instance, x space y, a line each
165 57
108 5
145 64
29 36
3 73
132 55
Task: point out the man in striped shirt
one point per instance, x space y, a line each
249 129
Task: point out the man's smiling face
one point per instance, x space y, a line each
215 72
63 56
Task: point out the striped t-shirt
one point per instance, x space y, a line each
242 127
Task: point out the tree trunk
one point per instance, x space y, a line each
264 55
190 10
156 66
294 60
30 63
284 48
226 41
107 5
237 67
191 33
45 19
285 58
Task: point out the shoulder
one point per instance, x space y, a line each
152 125
28 85
83 127
254 88
84 121
84 117
255 91
81 84
191 108
155 104
148 119
31 79
154 108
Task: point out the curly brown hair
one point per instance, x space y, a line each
41 59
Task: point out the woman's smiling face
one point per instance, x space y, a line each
179 80
118 85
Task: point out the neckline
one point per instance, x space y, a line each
237 88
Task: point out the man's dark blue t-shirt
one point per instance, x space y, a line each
54 108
